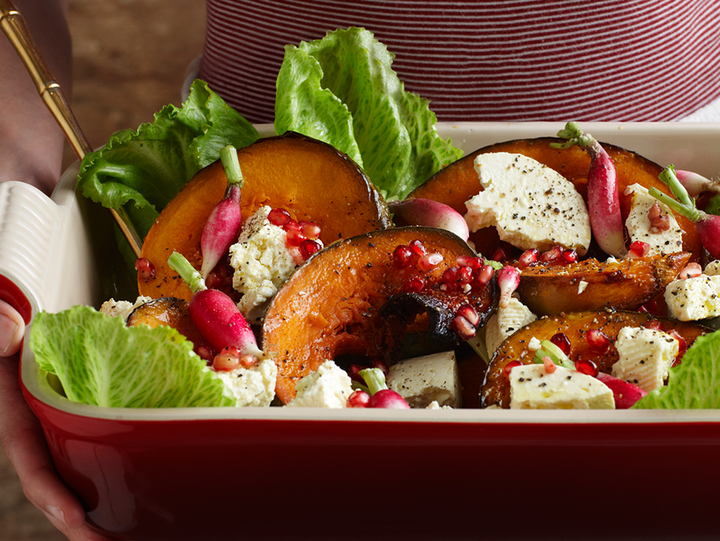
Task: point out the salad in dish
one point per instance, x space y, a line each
359 260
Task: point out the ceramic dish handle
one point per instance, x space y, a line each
43 247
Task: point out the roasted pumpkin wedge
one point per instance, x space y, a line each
308 178
496 387
593 285
335 303
170 312
458 182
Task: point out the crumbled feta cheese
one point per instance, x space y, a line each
122 309
531 387
645 356
638 223
328 387
435 406
262 263
694 298
582 286
534 344
431 378
712 268
505 321
252 387
530 204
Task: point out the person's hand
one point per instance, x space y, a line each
24 444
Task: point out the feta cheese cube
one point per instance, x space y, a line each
328 387
712 268
646 356
424 380
505 321
531 387
694 298
262 263
530 204
252 387
638 223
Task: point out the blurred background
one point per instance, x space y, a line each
130 59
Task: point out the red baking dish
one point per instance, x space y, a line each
276 473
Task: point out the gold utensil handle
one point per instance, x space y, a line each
14 26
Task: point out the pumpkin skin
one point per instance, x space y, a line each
496 387
458 182
622 285
333 304
309 178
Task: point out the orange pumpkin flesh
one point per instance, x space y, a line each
458 182
333 304
496 387
310 179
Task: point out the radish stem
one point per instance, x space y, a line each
374 379
187 272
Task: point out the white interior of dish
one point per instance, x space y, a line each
686 145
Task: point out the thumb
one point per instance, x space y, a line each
12 329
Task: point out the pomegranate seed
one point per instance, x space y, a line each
639 248
691 270
309 246
463 328
569 256
291 225
474 263
549 365
430 261
485 275
295 237
562 341
415 285
653 324
464 275
682 346
449 276
587 367
205 352
358 399
354 372
597 340
509 366
310 230
228 359
402 256
553 254
528 257
382 366
145 269
417 248
468 312
501 254
279 217
650 307
659 222
248 361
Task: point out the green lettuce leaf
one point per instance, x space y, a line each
143 170
100 361
342 90
695 383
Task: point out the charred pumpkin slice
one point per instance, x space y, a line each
458 182
335 303
309 178
170 312
496 387
594 285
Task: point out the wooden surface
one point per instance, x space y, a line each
130 58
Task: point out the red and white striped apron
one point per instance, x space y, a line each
505 60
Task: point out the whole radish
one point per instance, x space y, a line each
707 225
214 313
431 214
695 184
221 228
603 197
380 395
